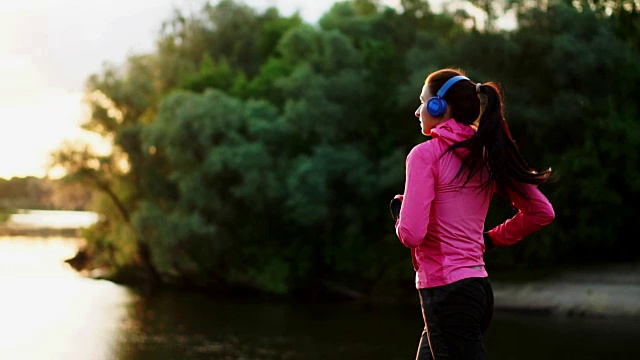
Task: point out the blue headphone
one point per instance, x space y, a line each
437 106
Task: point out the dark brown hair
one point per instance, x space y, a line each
492 147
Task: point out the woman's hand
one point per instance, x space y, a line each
395 205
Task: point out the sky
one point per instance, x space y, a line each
49 48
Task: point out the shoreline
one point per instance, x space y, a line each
605 290
39 232
596 291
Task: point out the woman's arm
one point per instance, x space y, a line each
419 191
534 212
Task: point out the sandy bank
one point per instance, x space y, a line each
612 290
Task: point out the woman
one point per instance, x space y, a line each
450 180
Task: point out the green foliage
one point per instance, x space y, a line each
604 177
221 173
210 75
262 152
111 245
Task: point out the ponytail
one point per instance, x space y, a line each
492 148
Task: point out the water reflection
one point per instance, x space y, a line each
55 219
168 328
49 312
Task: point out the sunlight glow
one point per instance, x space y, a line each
35 119
49 311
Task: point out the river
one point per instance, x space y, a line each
49 312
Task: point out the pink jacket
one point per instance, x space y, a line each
443 223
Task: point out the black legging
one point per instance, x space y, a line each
456 317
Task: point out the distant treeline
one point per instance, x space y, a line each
254 150
42 194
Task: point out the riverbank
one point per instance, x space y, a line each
605 290
597 291
39 232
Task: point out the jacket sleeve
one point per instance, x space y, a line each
534 212
419 191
